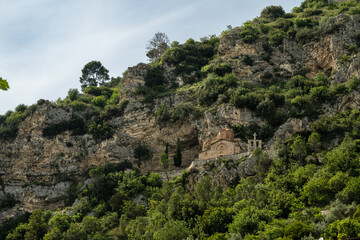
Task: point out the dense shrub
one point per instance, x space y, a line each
249 33
272 12
99 101
99 91
73 94
213 86
142 153
189 58
7 201
276 37
247 60
180 112
76 125
329 25
100 129
9 122
155 77
112 111
218 68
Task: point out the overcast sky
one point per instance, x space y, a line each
44 44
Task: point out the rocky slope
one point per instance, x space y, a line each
37 170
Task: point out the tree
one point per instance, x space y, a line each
142 153
4 85
167 149
157 46
314 142
164 162
298 148
273 12
177 157
94 74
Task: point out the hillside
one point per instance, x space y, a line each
87 166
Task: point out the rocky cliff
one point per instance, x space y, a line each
37 169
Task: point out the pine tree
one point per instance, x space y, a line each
167 149
177 157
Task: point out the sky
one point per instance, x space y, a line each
44 44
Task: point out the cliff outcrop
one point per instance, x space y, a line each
37 170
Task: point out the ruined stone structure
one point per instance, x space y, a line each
224 144
253 144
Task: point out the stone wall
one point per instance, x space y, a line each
220 148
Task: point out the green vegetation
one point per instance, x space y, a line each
76 125
4 85
283 200
94 74
177 157
188 59
9 122
307 190
142 153
157 45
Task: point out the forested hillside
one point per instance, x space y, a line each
98 164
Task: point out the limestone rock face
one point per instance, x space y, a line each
223 172
286 130
346 102
36 170
134 77
323 54
225 116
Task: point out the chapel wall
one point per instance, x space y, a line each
218 149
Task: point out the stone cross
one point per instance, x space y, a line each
255 136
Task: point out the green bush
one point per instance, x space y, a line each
99 101
188 59
7 201
142 153
114 99
249 33
213 86
76 125
99 91
247 60
112 111
329 25
353 49
343 229
73 94
9 122
351 192
216 220
79 105
306 33
312 12
276 38
100 129
272 12
155 77
296 230
302 22
353 83
344 58
248 220
219 68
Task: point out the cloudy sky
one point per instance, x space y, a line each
44 44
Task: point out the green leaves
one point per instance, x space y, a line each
4 85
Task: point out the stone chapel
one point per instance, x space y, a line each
224 144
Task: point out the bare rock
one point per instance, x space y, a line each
286 130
